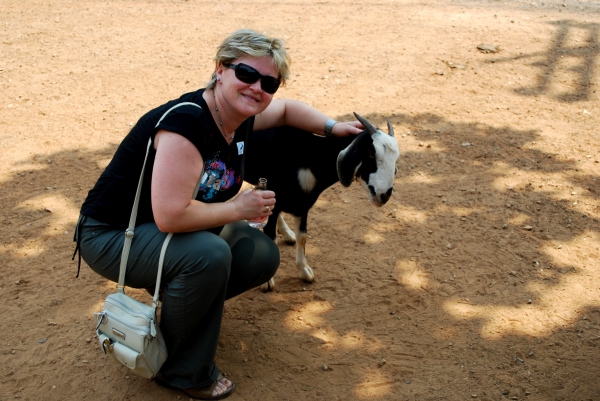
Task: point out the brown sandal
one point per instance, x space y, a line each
203 393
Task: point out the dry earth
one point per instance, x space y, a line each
479 280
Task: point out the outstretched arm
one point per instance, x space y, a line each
300 115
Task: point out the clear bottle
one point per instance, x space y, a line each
259 222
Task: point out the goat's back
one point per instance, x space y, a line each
278 154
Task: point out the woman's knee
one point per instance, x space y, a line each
218 257
260 259
206 253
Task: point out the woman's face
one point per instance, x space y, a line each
245 99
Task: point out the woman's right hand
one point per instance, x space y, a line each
252 204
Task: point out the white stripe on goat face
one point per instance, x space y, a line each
306 179
382 179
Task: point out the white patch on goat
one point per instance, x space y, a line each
306 179
386 156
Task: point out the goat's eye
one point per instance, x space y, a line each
371 154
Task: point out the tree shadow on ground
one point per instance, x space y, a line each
568 64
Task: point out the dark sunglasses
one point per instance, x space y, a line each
249 75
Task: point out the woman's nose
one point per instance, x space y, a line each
256 86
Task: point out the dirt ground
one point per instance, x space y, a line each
478 280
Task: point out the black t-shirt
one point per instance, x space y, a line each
111 199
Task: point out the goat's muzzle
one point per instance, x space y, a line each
381 198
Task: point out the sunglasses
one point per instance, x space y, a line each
249 75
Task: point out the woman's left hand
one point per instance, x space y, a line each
347 128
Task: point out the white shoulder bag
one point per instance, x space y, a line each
127 329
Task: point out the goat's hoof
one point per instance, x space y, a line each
268 286
306 274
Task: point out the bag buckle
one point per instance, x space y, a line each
152 328
101 319
129 233
106 345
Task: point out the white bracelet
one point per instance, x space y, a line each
329 127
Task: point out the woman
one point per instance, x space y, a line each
215 255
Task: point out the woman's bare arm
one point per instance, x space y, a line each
177 167
300 115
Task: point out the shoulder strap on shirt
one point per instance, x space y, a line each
174 107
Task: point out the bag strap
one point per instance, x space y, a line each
131 228
129 233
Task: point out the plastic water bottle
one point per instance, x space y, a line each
259 222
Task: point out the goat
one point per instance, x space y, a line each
299 166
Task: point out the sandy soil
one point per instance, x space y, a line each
478 280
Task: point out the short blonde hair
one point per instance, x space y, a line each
247 42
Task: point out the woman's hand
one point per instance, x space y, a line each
347 128
252 204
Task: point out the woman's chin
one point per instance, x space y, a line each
251 108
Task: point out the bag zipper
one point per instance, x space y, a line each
143 331
127 309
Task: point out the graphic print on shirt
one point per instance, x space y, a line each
217 177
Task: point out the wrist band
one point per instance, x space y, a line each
329 127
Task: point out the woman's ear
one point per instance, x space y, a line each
349 161
219 71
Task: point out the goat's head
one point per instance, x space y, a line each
370 159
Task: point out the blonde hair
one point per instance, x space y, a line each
247 42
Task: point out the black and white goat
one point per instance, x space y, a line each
299 166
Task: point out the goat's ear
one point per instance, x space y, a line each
348 162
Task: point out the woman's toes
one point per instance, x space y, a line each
219 389
227 383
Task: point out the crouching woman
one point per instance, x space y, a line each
214 254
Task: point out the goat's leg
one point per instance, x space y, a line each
270 231
306 273
288 235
